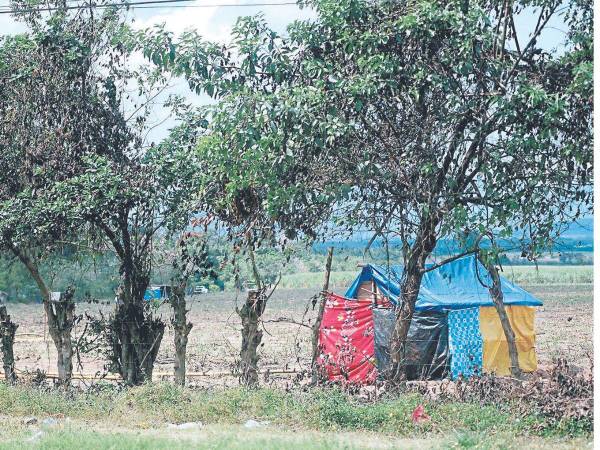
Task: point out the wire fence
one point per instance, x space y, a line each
563 329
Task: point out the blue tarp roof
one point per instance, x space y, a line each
452 286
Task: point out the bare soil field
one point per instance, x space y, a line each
563 324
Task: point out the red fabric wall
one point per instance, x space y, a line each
347 340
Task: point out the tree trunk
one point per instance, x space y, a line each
498 299
250 314
134 333
182 329
60 314
317 325
136 338
409 292
7 340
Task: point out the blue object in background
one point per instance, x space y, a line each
465 343
152 294
157 293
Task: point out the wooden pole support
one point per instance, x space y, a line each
319 319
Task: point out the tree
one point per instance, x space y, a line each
489 256
76 138
188 257
122 200
51 119
253 184
417 119
176 165
466 130
316 327
184 265
489 261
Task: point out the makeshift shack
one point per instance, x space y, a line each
455 330
160 292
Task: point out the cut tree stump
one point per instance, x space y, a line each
7 340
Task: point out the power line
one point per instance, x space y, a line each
212 6
154 3
88 4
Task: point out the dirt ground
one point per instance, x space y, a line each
563 325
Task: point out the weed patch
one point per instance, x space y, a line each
324 409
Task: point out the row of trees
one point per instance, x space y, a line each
77 173
418 120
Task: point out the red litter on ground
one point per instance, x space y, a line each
419 415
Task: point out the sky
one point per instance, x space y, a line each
213 23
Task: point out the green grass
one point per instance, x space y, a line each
517 274
80 435
89 439
313 279
211 438
550 274
318 409
318 419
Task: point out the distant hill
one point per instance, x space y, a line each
578 237
582 230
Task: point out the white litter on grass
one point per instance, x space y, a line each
186 426
35 436
49 422
251 423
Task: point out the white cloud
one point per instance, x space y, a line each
215 23
8 25
178 20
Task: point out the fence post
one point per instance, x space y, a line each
317 325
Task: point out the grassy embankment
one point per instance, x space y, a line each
321 418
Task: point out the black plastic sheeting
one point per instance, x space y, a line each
427 353
383 323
